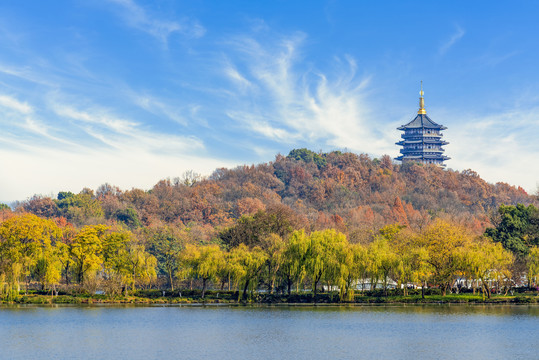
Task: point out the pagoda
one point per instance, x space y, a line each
422 139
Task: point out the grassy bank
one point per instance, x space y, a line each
232 297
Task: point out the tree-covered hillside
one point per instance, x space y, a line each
353 193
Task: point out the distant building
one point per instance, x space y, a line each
422 139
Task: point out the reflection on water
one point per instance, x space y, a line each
278 332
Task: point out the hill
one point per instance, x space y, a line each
353 193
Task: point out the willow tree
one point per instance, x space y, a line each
24 239
351 267
293 264
202 262
383 260
247 264
532 264
321 259
274 247
487 261
140 263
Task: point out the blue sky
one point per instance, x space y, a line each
130 92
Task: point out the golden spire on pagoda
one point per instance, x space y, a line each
421 101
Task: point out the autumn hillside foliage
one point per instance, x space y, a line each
352 193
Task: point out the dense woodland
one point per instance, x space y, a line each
304 220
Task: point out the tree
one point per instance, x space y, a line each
322 256
23 241
251 230
80 208
307 156
129 217
533 265
246 266
141 264
518 228
87 250
485 261
274 247
203 262
4 207
166 244
383 261
445 243
294 259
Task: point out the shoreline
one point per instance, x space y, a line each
304 300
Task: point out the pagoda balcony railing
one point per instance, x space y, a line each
421 151
420 136
417 142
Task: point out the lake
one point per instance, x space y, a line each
270 332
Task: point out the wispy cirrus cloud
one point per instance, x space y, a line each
124 134
455 37
141 19
278 97
13 103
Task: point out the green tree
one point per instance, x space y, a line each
322 256
518 228
487 261
274 247
246 266
294 259
202 262
166 244
308 156
80 208
129 217
252 230
383 261
533 265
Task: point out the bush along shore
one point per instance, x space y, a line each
523 296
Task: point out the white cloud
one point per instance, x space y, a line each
457 35
14 104
139 18
291 103
125 134
161 108
500 147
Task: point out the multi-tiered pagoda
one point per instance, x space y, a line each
422 139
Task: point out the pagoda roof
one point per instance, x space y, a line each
421 121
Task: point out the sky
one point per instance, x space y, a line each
129 92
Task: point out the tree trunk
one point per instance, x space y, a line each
170 281
134 280
289 285
315 284
204 287
67 274
243 297
423 290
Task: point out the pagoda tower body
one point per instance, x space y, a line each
422 139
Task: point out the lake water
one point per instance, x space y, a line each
283 332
